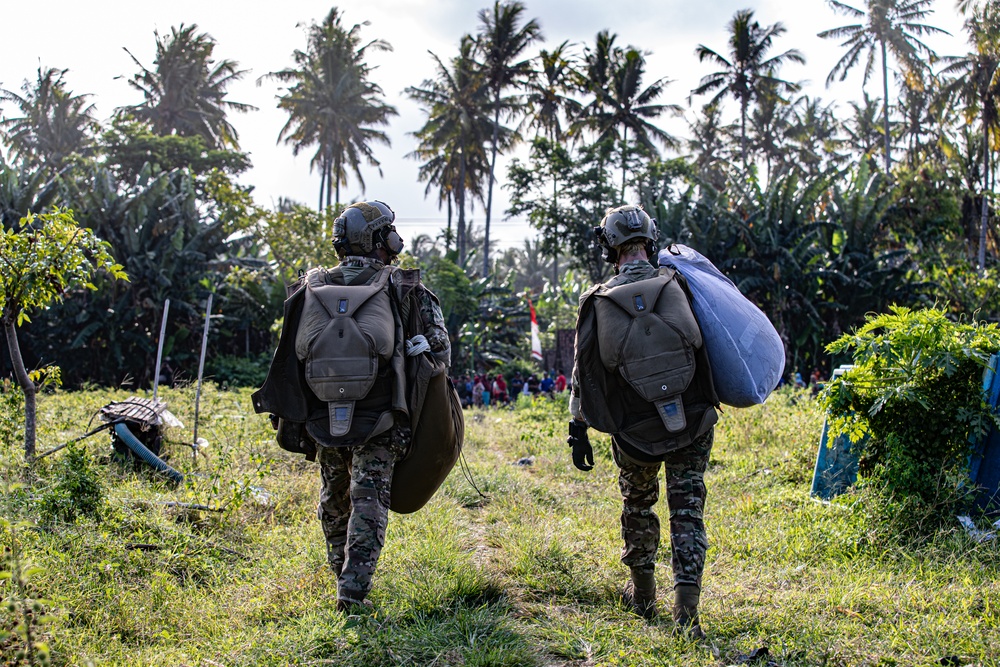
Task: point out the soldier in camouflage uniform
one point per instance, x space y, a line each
628 235
357 477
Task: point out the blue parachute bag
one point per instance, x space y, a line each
746 353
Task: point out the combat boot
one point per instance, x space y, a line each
686 598
349 605
640 592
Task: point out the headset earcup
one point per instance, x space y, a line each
394 243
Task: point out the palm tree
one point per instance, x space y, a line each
627 105
889 26
977 84
614 77
747 66
923 117
709 145
452 142
332 104
814 136
548 89
185 93
500 42
769 125
861 128
54 123
549 104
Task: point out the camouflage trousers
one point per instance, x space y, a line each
639 484
354 507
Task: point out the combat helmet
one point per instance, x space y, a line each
365 226
623 224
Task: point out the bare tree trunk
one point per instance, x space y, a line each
329 181
27 386
885 110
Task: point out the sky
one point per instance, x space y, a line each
90 40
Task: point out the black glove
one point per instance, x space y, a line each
583 453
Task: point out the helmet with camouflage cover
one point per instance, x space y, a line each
365 226
623 225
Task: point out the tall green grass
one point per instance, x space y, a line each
521 569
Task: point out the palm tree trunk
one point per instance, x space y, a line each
447 234
461 210
336 172
27 386
322 186
885 109
985 214
624 159
489 186
743 131
555 212
329 182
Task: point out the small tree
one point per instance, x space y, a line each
49 257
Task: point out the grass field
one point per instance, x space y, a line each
526 573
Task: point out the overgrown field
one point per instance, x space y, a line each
527 573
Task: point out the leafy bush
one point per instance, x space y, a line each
76 490
915 390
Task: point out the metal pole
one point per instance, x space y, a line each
201 367
159 348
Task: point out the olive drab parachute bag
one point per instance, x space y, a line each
437 422
745 350
643 372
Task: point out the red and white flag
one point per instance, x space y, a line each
536 342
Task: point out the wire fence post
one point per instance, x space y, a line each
201 370
159 348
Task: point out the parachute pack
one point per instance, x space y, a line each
345 336
746 353
339 358
643 371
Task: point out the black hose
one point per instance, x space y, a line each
145 454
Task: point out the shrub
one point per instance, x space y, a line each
915 390
76 490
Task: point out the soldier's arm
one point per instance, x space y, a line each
432 319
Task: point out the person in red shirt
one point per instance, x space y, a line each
560 382
499 390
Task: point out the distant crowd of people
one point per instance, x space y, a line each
484 390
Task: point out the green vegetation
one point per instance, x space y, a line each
785 193
526 574
916 391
